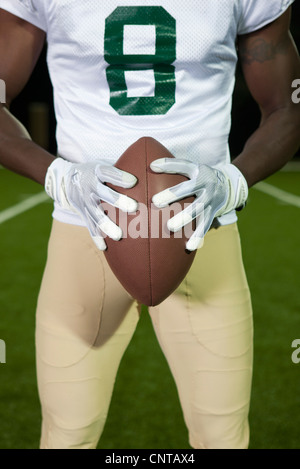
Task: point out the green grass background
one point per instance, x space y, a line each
145 411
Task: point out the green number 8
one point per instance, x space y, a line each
160 62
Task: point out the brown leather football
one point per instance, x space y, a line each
149 261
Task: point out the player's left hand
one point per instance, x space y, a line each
217 191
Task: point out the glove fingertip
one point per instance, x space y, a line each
126 204
194 243
129 180
156 169
164 198
100 243
156 165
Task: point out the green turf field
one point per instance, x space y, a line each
145 411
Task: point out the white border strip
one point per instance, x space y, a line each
278 194
23 206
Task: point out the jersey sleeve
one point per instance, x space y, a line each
255 14
29 10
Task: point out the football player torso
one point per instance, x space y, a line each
125 69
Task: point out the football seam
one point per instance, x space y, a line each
149 224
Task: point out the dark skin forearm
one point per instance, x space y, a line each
17 151
270 63
271 146
20 46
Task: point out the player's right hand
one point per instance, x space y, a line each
81 188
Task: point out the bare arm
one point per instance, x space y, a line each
270 64
20 46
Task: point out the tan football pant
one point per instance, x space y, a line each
85 320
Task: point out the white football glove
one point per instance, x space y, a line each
80 188
217 190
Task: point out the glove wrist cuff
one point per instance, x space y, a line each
238 187
54 180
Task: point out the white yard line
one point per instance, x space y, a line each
23 206
279 194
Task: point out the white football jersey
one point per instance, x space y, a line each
124 69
